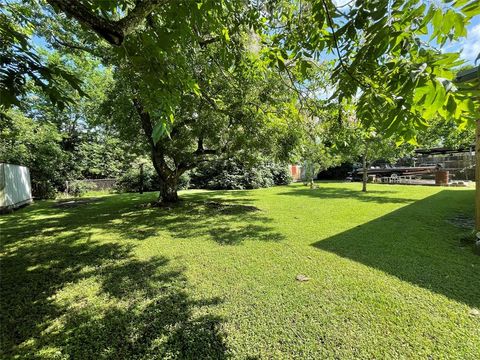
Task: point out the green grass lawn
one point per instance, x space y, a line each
215 276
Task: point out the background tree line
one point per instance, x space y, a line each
187 83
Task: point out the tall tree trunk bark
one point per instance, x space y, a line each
364 173
112 31
168 191
168 178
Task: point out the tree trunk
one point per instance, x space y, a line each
168 177
364 173
168 190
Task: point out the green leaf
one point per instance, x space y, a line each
472 9
459 25
451 105
226 34
194 87
159 130
304 66
448 21
437 23
437 103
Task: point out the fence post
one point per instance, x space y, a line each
477 178
141 178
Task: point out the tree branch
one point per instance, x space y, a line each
203 43
158 154
340 58
202 151
112 31
138 14
71 46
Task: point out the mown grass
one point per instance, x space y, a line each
214 277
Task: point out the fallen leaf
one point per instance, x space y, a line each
301 277
474 312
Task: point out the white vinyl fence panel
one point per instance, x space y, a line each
15 186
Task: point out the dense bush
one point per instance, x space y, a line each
184 181
131 181
37 146
43 189
232 174
80 187
281 174
54 156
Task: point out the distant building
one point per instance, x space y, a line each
460 163
15 186
297 172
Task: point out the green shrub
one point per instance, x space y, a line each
79 187
43 189
226 174
233 174
184 181
131 181
281 174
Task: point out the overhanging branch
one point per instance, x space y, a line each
70 45
112 31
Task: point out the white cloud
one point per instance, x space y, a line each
471 46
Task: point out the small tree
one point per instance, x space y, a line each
376 147
358 142
317 150
317 156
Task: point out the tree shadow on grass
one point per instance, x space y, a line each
31 274
325 192
233 222
154 317
417 244
227 222
74 297
65 294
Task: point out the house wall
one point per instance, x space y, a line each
296 172
15 186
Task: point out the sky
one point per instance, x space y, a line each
471 45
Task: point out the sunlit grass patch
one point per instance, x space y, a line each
215 276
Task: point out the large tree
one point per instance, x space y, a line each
388 56
383 58
386 50
244 110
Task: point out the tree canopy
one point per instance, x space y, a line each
203 77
